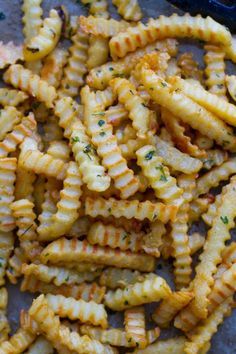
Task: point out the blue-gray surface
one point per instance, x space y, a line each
224 342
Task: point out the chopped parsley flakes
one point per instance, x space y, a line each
224 219
101 122
163 175
75 139
149 155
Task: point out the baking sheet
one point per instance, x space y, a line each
224 342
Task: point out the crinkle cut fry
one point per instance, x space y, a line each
6 247
48 207
223 288
9 97
9 54
105 98
17 135
105 141
134 321
153 288
130 209
113 336
99 78
138 112
32 159
214 59
108 235
59 149
98 52
215 176
19 77
116 336
170 306
209 259
29 324
175 158
68 205
85 291
203 333
10 116
220 107
73 77
187 110
214 157
7 180
24 215
46 39
50 325
81 310
59 275
18 343
52 69
98 8
129 9
179 235
177 132
93 174
174 26
14 264
158 175
32 20
76 251
98 26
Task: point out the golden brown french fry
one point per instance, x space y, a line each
209 259
77 251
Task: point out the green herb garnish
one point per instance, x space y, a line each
163 84
87 150
75 139
149 155
124 237
101 122
224 219
163 175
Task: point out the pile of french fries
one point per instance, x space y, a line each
109 151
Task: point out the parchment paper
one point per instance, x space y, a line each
224 342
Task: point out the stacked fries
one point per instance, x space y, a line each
94 193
